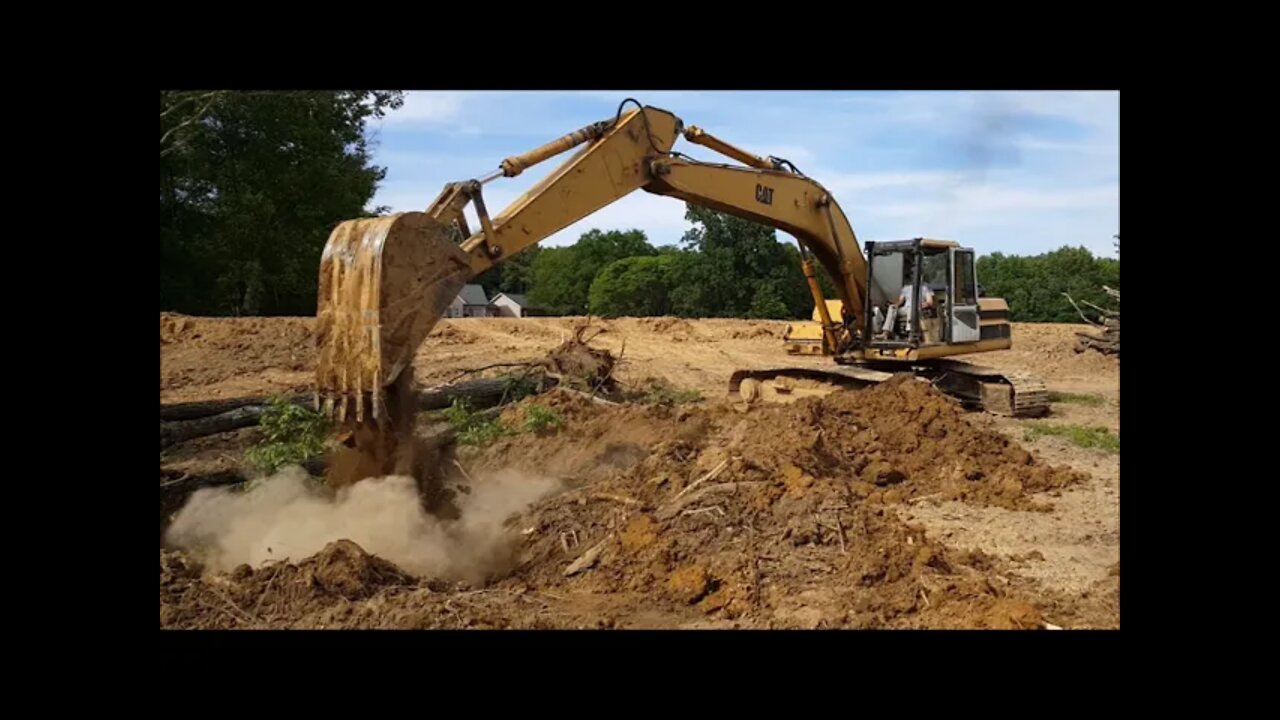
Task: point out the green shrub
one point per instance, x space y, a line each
473 428
539 417
293 434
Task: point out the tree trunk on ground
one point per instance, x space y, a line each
192 420
194 410
180 430
1107 343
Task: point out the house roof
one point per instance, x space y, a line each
473 295
515 298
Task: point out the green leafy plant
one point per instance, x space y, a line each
292 434
517 387
539 417
1095 437
471 427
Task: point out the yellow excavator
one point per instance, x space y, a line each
386 281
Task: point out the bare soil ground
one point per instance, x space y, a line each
887 507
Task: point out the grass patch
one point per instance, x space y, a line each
1077 399
481 428
540 417
1095 437
293 434
473 428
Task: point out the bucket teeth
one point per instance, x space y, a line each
384 283
341 407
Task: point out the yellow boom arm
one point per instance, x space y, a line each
386 281
635 154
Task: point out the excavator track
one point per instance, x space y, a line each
789 384
975 386
1014 394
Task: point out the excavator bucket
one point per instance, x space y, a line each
384 283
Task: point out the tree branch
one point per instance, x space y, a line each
186 98
465 373
1104 311
213 97
1077 307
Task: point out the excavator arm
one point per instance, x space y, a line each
386 281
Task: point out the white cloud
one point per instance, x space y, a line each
890 159
426 106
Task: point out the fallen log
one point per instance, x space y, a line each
175 432
483 393
209 408
247 412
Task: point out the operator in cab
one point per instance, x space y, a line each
902 309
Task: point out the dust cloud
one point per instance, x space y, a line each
289 516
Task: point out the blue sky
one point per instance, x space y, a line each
1014 172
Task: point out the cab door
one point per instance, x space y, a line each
963 296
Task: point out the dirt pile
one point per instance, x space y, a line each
673 328
246 597
771 332
778 518
445 333
896 441
670 514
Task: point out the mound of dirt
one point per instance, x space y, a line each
248 596
672 328
896 441
777 518
890 443
774 332
446 333
674 514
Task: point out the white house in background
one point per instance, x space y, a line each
514 305
471 302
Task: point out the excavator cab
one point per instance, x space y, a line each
937 282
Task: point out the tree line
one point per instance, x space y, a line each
728 267
252 183
723 267
1034 285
